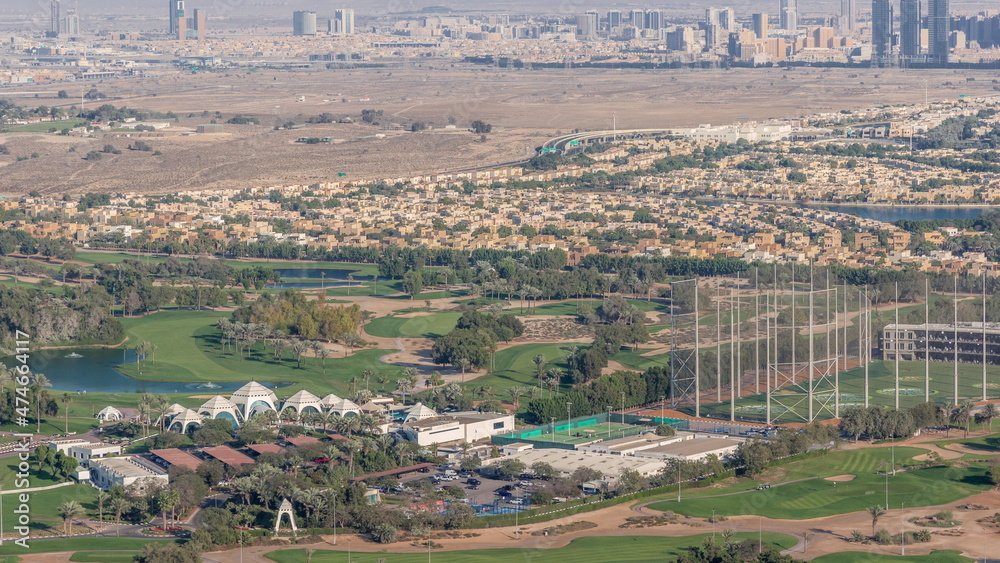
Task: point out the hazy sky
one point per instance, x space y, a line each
283 8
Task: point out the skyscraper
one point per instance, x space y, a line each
614 19
638 19
586 25
200 23
849 13
55 19
760 25
727 19
789 12
343 21
71 23
909 28
939 28
713 29
304 23
654 19
881 30
176 16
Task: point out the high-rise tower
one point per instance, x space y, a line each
760 25
343 21
789 12
939 28
304 23
55 18
881 30
909 28
849 14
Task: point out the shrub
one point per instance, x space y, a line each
882 537
857 536
384 533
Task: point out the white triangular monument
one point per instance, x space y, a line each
285 508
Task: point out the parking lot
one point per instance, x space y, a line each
484 493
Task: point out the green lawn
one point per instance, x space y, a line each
78 544
633 359
188 350
816 497
429 326
105 556
624 549
514 366
43 505
556 309
43 127
940 556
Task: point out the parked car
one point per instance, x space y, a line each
518 501
473 481
504 493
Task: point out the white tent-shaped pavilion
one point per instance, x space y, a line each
221 407
253 398
303 402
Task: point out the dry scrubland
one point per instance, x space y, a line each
529 106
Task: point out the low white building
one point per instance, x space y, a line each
467 426
65 444
108 472
692 450
610 466
85 453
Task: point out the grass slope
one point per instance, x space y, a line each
940 556
429 326
189 350
816 497
582 550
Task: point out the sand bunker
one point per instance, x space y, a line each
841 478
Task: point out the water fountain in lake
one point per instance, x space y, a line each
74 355
208 385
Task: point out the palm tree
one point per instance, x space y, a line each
516 393
383 380
350 340
119 505
68 511
539 362
989 412
66 399
555 377
323 354
151 348
101 497
875 512
435 379
962 415
299 347
366 375
279 346
463 364
485 391
40 382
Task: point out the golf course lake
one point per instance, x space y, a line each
93 370
328 277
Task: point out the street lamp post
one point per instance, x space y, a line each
713 525
623 407
553 428
569 419
902 532
609 421
663 404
